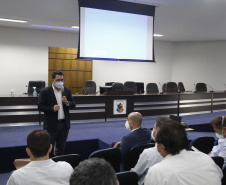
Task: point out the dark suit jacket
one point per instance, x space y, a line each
135 138
46 102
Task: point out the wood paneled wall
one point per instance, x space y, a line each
76 71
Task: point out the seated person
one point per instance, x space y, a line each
93 171
149 156
137 136
180 166
219 126
41 170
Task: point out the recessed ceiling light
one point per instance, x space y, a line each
53 27
13 20
158 35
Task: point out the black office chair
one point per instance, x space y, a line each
171 87
200 87
134 154
72 159
130 86
89 87
117 86
164 87
224 176
203 144
181 87
38 84
112 155
109 83
219 161
140 87
152 88
127 178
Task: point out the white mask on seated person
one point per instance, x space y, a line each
152 136
127 125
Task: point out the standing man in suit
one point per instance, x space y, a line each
55 102
136 137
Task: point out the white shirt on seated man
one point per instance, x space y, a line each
150 156
180 166
219 126
41 170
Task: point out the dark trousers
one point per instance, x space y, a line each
59 138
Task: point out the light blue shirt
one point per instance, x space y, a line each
220 150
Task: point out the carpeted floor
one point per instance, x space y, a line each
105 131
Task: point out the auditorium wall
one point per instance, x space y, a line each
24 57
195 62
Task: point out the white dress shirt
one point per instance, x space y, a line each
220 150
147 158
185 168
42 173
58 95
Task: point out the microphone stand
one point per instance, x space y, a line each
224 86
210 87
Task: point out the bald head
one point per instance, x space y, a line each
136 118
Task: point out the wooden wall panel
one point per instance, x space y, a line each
82 65
66 65
76 72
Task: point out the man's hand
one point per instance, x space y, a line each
117 145
64 100
56 108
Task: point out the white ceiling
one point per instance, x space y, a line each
177 20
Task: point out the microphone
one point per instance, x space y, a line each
210 87
160 88
62 91
225 86
195 89
84 92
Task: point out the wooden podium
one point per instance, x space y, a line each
126 97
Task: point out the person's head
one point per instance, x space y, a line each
58 79
38 144
134 120
219 126
171 138
158 122
93 171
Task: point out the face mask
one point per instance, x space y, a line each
127 125
59 85
219 136
152 136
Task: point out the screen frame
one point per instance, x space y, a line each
118 6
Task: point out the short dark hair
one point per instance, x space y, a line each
173 136
217 121
38 141
93 171
57 72
160 120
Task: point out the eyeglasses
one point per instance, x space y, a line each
59 80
